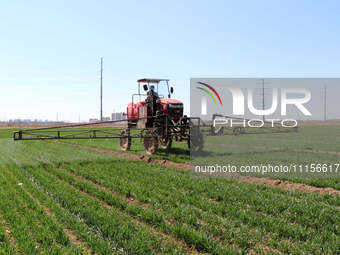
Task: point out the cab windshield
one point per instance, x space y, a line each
162 89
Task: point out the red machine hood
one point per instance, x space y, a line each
169 101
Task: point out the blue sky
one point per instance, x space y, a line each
50 50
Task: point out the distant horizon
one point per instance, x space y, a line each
88 121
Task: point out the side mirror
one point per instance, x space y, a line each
171 90
145 87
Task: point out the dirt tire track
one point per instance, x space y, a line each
73 238
147 159
287 185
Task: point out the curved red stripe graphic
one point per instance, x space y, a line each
213 90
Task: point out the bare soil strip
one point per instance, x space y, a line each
186 166
289 185
74 239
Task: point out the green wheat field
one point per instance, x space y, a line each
61 199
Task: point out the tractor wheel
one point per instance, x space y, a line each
150 143
236 131
125 140
195 142
165 142
220 131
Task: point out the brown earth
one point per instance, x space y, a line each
289 185
133 156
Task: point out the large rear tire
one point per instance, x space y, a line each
125 140
150 143
195 142
236 131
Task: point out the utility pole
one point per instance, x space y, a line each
325 103
263 99
262 94
101 89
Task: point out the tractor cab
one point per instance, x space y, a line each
158 86
153 104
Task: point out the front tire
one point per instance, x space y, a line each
150 143
125 140
165 143
196 142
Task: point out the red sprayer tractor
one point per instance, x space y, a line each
152 115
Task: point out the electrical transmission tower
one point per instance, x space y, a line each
263 94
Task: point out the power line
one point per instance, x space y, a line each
325 104
101 89
263 98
